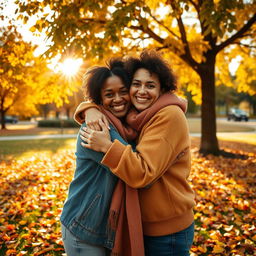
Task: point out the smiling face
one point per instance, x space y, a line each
115 96
145 89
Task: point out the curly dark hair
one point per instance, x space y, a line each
154 63
95 77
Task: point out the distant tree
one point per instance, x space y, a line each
25 80
251 99
44 109
73 102
200 37
226 96
192 106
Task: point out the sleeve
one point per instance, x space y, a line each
86 153
79 112
165 136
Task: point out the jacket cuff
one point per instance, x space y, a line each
79 112
112 157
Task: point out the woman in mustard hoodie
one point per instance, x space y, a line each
161 164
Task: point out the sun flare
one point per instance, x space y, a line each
70 66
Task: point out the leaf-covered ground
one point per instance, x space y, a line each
32 192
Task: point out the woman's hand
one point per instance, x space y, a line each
96 140
92 118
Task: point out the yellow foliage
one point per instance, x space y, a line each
191 83
244 13
32 29
153 4
197 45
222 72
245 74
26 81
246 80
9 72
168 24
175 44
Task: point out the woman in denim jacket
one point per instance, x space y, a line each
85 212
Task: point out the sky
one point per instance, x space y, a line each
9 10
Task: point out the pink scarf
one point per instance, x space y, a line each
137 120
124 214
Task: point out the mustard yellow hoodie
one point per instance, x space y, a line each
160 168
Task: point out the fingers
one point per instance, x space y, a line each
86 130
106 122
103 125
94 125
86 145
85 134
85 137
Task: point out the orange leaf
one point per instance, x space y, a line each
217 249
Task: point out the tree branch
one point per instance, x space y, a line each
195 5
160 40
161 24
87 20
187 56
245 45
208 37
238 34
150 32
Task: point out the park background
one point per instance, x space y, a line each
46 46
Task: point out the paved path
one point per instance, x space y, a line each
223 133
37 137
62 136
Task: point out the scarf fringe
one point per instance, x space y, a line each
113 220
115 254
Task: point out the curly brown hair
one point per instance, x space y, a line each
154 63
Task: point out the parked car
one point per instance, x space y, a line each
10 119
237 114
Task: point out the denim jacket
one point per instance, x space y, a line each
85 212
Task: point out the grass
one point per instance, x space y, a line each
18 130
222 126
238 137
28 148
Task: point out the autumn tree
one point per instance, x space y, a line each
200 37
25 80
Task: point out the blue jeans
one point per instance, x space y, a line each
74 247
177 244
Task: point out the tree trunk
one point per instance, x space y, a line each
68 112
254 108
3 120
209 142
227 108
